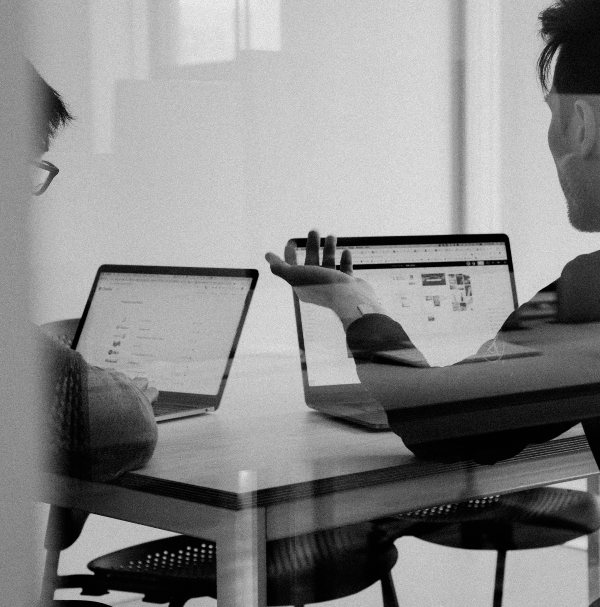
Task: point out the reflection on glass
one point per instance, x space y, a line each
207 31
226 128
213 32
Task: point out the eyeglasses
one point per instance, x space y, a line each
43 172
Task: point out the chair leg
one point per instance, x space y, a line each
388 591
593 486
499 581
49 579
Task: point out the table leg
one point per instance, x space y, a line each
241 559
593 486
241 556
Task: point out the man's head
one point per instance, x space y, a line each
50 113
571 31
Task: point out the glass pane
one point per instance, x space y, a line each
207 31
443 358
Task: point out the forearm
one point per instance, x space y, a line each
348 300
356 309
123 432
97 424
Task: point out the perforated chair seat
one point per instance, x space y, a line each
301 570
536 518
306 569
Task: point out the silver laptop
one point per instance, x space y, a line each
176 326
450 294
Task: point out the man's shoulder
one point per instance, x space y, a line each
585 262
578 289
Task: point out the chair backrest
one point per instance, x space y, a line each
63 330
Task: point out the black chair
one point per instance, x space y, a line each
63 528
63 330
326 565
536 518
305 569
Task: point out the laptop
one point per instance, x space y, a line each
451 294
176 326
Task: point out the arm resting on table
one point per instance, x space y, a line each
96 423
376 332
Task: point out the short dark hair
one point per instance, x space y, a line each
50 112
571 28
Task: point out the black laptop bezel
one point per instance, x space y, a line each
197 403
330 397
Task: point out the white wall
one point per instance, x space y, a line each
346 129
534 206
513 182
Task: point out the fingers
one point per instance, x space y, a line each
329 252
151 394
289 268
290 273
140 382
312 248
290 253
278 266
346 262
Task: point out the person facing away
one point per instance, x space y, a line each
96 423
571 32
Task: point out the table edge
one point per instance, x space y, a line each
229 500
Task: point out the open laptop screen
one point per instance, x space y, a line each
178 327
450 293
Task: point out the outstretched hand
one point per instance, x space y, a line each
321 283
311 273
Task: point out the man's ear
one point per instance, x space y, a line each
586 128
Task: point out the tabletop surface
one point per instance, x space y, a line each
264 429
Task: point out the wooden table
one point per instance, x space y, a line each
264 467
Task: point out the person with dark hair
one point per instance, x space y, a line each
570 29
50 112
571 32
96 423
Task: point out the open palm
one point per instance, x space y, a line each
321 283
